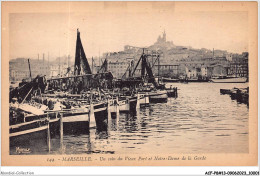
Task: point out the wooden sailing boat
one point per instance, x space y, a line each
158 93
93 113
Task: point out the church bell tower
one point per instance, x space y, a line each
164 36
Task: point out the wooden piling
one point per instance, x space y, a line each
108 109
117 107
138 101
109 118
48 133
146 98
61 131
92 120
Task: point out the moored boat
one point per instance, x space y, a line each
225 91
229 80
239 94
28 132
101 115
171 92
158 96
169 80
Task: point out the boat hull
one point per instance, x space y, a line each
76 123
32 133
225 91
158 97
101 116
132 104
230 80
172 92
170 80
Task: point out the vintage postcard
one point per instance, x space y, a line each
129 84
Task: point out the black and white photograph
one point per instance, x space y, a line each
129 78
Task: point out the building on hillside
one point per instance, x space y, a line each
58 69
19 69
191 72
118 67
239 65
229 57
206 71
220 70
131 49
166 70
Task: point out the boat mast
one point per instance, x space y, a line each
30 69
92 65
158 69
99 58
236 68
152 58
81 63
59 64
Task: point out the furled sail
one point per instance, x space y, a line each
81 62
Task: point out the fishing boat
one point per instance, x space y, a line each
73 87
79 114
158 96
28 132
75 120
26 122
240 94
153 88
225 91
101 115
226 79
172 92
169 80
127 103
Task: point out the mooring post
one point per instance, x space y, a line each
146 98
61 131
117 107
48 133
108 109
92 121
88 117
138 101
109 118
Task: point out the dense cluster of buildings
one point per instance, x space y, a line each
19 68
174 62
180 61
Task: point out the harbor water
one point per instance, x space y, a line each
199 120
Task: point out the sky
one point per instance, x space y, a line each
105 30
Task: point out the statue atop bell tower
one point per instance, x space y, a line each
162 39
164 36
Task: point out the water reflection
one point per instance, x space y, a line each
200 120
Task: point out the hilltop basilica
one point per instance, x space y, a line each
162 39
161 42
